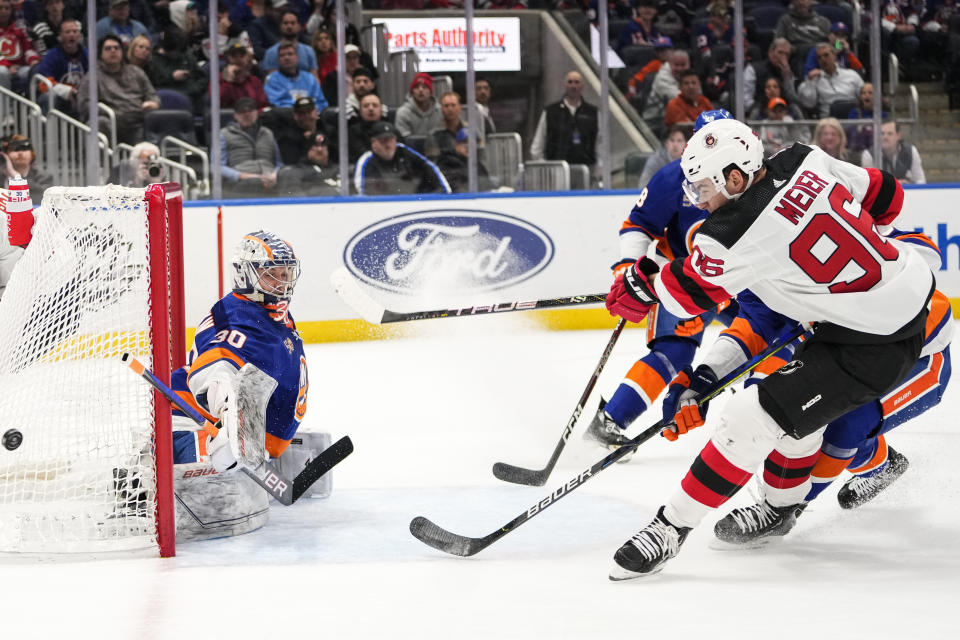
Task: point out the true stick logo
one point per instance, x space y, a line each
570 486
448 249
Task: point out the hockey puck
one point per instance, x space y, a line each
12 439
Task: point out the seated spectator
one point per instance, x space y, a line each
288 82
46 30
363 84
802 26
568 129
898 32
290 34
861 137
453 163
829 136
840 40
173 66
183 16
689 103
898 157
352 58
237 81
666 85
358 135
776 65
773 89
19 158
641 30
249 155
228 34
313 175
716 30
296 130
482 92
326 52
119 23
264 31
442 138
673 144
391 167
139 52
663 47
141 168
322 18
123 87
16 51
65 65
828 83
674 18
779 133
420 113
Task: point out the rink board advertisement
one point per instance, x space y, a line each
433 253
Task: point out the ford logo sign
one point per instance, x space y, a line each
448 250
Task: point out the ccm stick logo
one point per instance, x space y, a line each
448 250
570 486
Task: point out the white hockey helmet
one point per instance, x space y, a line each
265 268
713 148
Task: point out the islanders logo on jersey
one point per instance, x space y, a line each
445 250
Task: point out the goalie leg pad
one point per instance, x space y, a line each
304 447
213 505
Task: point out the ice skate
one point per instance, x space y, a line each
861 489
648 550
752 526
604 431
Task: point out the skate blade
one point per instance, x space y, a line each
619 574
721 545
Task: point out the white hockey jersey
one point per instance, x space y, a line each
804 240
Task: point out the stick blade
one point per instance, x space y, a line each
519 475
439 538
349 290
328 459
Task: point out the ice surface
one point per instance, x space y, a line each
429 415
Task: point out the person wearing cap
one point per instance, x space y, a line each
568 129
829 83
361 128
718 29
776 65
313 175
296 130
363 83
689 103
19 159
420 113
802 26
125 88
453 163
237 79
641 30
779 133
391 167
17 54
354 57
290 33
64 66
289 82
662 46
442 138
118 22
840 40
249 155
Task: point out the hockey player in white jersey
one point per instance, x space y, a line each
799 232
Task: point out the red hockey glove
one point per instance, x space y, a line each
631 295
680 404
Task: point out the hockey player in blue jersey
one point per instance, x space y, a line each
251 325
665 217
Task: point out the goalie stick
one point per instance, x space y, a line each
537 478
281 488
431 534
373 312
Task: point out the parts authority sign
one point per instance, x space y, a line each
441 43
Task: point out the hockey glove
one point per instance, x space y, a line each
631 296
680 406
621 266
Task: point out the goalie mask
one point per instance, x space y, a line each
265 268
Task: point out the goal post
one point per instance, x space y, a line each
92 472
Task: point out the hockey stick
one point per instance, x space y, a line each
373 312
265 475
439 538
537 478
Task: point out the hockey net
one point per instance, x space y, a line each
102 276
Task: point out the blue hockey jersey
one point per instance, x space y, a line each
238 331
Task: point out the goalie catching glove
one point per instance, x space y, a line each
631 297
680 406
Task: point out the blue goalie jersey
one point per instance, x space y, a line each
238 331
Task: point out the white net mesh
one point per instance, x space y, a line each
84 478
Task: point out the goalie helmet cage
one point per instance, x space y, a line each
93 475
